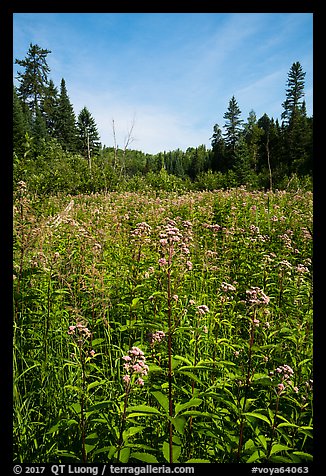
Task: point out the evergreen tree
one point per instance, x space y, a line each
218 162
296 126
34 79
233 124
66 125
294 93
49 108
88 136
252 134
233 127
20 124
39 134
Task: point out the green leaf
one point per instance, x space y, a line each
176 450
276 448
95 342
182 359
143 409
303 455
263 441
255 456
95 384
193 402
134 302
179 423
257 415
105 449
163 400
124 455
145 457
133 430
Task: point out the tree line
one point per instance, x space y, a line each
57 151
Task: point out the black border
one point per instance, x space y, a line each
7 9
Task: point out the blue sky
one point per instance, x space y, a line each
172 75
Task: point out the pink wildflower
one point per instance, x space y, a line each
162 262
126 378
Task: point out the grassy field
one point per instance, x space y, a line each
152 327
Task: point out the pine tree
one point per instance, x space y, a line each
34 79
66 126
88 136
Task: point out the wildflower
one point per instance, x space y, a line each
92 353
22 185
302 269
162 262
280 387
205 329
226 287
175 297
126 378
155 337
135 364
256 322
202 309
236 353
189 265
256 296
71 330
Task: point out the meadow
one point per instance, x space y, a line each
152 327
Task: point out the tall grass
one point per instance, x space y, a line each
215 288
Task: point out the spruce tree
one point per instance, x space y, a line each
20 124
88 136
296 128
49 108
219 163
66 121
233 124
233 127
34 79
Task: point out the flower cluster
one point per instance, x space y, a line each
134 365
202 309
286 373
141 233
171 237
154 337
255 296
226 287
80 330
214 227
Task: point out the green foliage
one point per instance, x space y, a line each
93 261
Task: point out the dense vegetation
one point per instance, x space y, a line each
162 303
55 151
163 327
